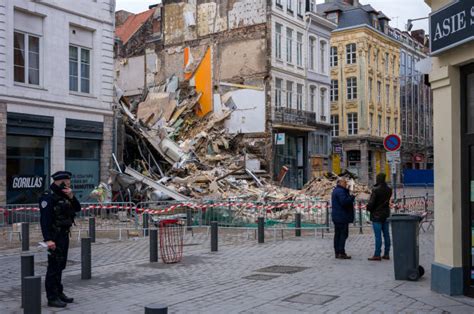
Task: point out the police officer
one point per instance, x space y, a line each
58 207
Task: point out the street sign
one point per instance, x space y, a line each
451 26
392 142
280 138
393 168
393 157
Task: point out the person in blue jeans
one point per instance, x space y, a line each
342 215
379 208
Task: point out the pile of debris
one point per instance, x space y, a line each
323 186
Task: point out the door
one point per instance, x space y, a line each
467 166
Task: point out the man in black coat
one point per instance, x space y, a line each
342 215
379 208
58 207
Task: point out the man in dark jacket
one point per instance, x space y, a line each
342 215
58 207
379 208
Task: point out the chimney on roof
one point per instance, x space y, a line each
419 35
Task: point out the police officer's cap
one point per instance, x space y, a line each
61 175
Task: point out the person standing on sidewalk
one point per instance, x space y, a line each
379 208
58 207
342 215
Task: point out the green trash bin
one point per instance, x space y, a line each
406 247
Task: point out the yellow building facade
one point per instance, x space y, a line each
365 99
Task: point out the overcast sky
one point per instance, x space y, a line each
398 10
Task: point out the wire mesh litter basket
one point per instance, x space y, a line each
171 240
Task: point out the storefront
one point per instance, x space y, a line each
291 151
28 157
452 81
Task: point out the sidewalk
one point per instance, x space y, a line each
233 281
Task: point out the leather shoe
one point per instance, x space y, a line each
56 303
375 258
343 256
387 257
65 298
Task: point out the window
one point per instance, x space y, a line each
334 93
393 66
371 122
278 4
289 5
299 97
278 41
289 94
289 45
351 88
299 49
79 69
351 54
312 50
26 58
300 8
395 95
388 125
371 83
278 87
335 125
386 62
379 96
409 65
323 104
396 125
322 62
379 130
376 61
352 126
387 94
333 58
312 5
403 64
312 98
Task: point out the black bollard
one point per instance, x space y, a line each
360 218
327 216
145 224
156 309
189 219
27 270
92 229
86 258
298 225
25 236
32 304
214 236
153 245
261 230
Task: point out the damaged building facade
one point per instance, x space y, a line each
56 91
252 57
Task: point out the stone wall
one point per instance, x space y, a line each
106 149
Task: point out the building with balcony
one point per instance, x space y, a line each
364 96
56 92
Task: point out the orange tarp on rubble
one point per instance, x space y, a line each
203 80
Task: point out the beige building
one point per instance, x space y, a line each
452 81
365 87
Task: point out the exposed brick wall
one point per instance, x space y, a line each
106 149
3 153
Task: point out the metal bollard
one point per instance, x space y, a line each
261 229
25 236
32 304
145 224
156 309
153 246
27 270
214 236
360 217
86 258
327 216
298 225
189 219
92 229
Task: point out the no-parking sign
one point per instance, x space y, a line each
392 142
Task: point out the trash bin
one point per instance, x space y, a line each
171 240
406 247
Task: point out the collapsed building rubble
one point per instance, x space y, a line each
185 156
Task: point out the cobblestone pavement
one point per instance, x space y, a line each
204 282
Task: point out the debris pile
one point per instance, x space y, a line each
322 187
180 155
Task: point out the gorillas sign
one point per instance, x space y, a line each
452 26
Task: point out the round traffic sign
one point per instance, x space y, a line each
392 142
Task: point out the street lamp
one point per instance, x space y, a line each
409 25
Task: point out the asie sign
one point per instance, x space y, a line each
452 26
